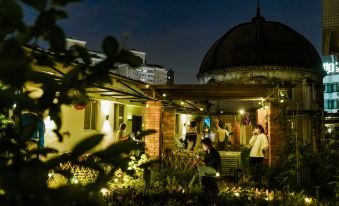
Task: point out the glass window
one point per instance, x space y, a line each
91 112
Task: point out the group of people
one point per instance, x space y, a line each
211 163
221 137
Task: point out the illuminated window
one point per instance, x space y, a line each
91 112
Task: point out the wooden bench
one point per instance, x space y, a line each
230 172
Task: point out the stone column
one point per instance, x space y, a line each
168 129
153 121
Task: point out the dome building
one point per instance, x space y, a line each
270 53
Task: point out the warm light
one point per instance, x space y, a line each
217 174
308 200
75 180
222 111
129 117
282 101
201 109
237 194
182 103
146 105
164 95
242 111
49 124
104 191
106 107
106 128
147 86
329 130
266 107
259 103
14 106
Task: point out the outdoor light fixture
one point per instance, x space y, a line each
201 109
147 86
14 105
164 95
241 111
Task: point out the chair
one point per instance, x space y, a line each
230 170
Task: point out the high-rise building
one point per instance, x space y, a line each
148 73
330 51
330 27
331 84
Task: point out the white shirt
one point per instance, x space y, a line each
183 133
221 134
258 143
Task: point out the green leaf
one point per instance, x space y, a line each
110 46
129 58
57 39
87 144
10 17
145 133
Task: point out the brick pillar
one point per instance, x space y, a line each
236 137
275 137
153 121
168 129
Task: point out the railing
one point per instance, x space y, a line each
183 161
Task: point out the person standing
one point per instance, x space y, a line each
191 136
222 136
259 144
183 136
120 136
211 164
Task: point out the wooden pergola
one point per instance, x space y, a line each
201 97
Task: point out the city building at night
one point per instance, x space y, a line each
148 73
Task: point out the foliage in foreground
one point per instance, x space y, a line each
23 179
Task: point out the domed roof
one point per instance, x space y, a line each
259 43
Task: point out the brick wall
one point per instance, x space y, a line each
168 128
235 140
274 134
153 121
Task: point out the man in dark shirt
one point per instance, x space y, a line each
212 162
191 136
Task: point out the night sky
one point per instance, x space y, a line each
177 33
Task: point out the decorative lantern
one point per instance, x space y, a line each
79 106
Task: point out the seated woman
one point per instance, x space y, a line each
211 164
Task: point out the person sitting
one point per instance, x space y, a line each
211 164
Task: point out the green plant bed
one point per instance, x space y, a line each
228 196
